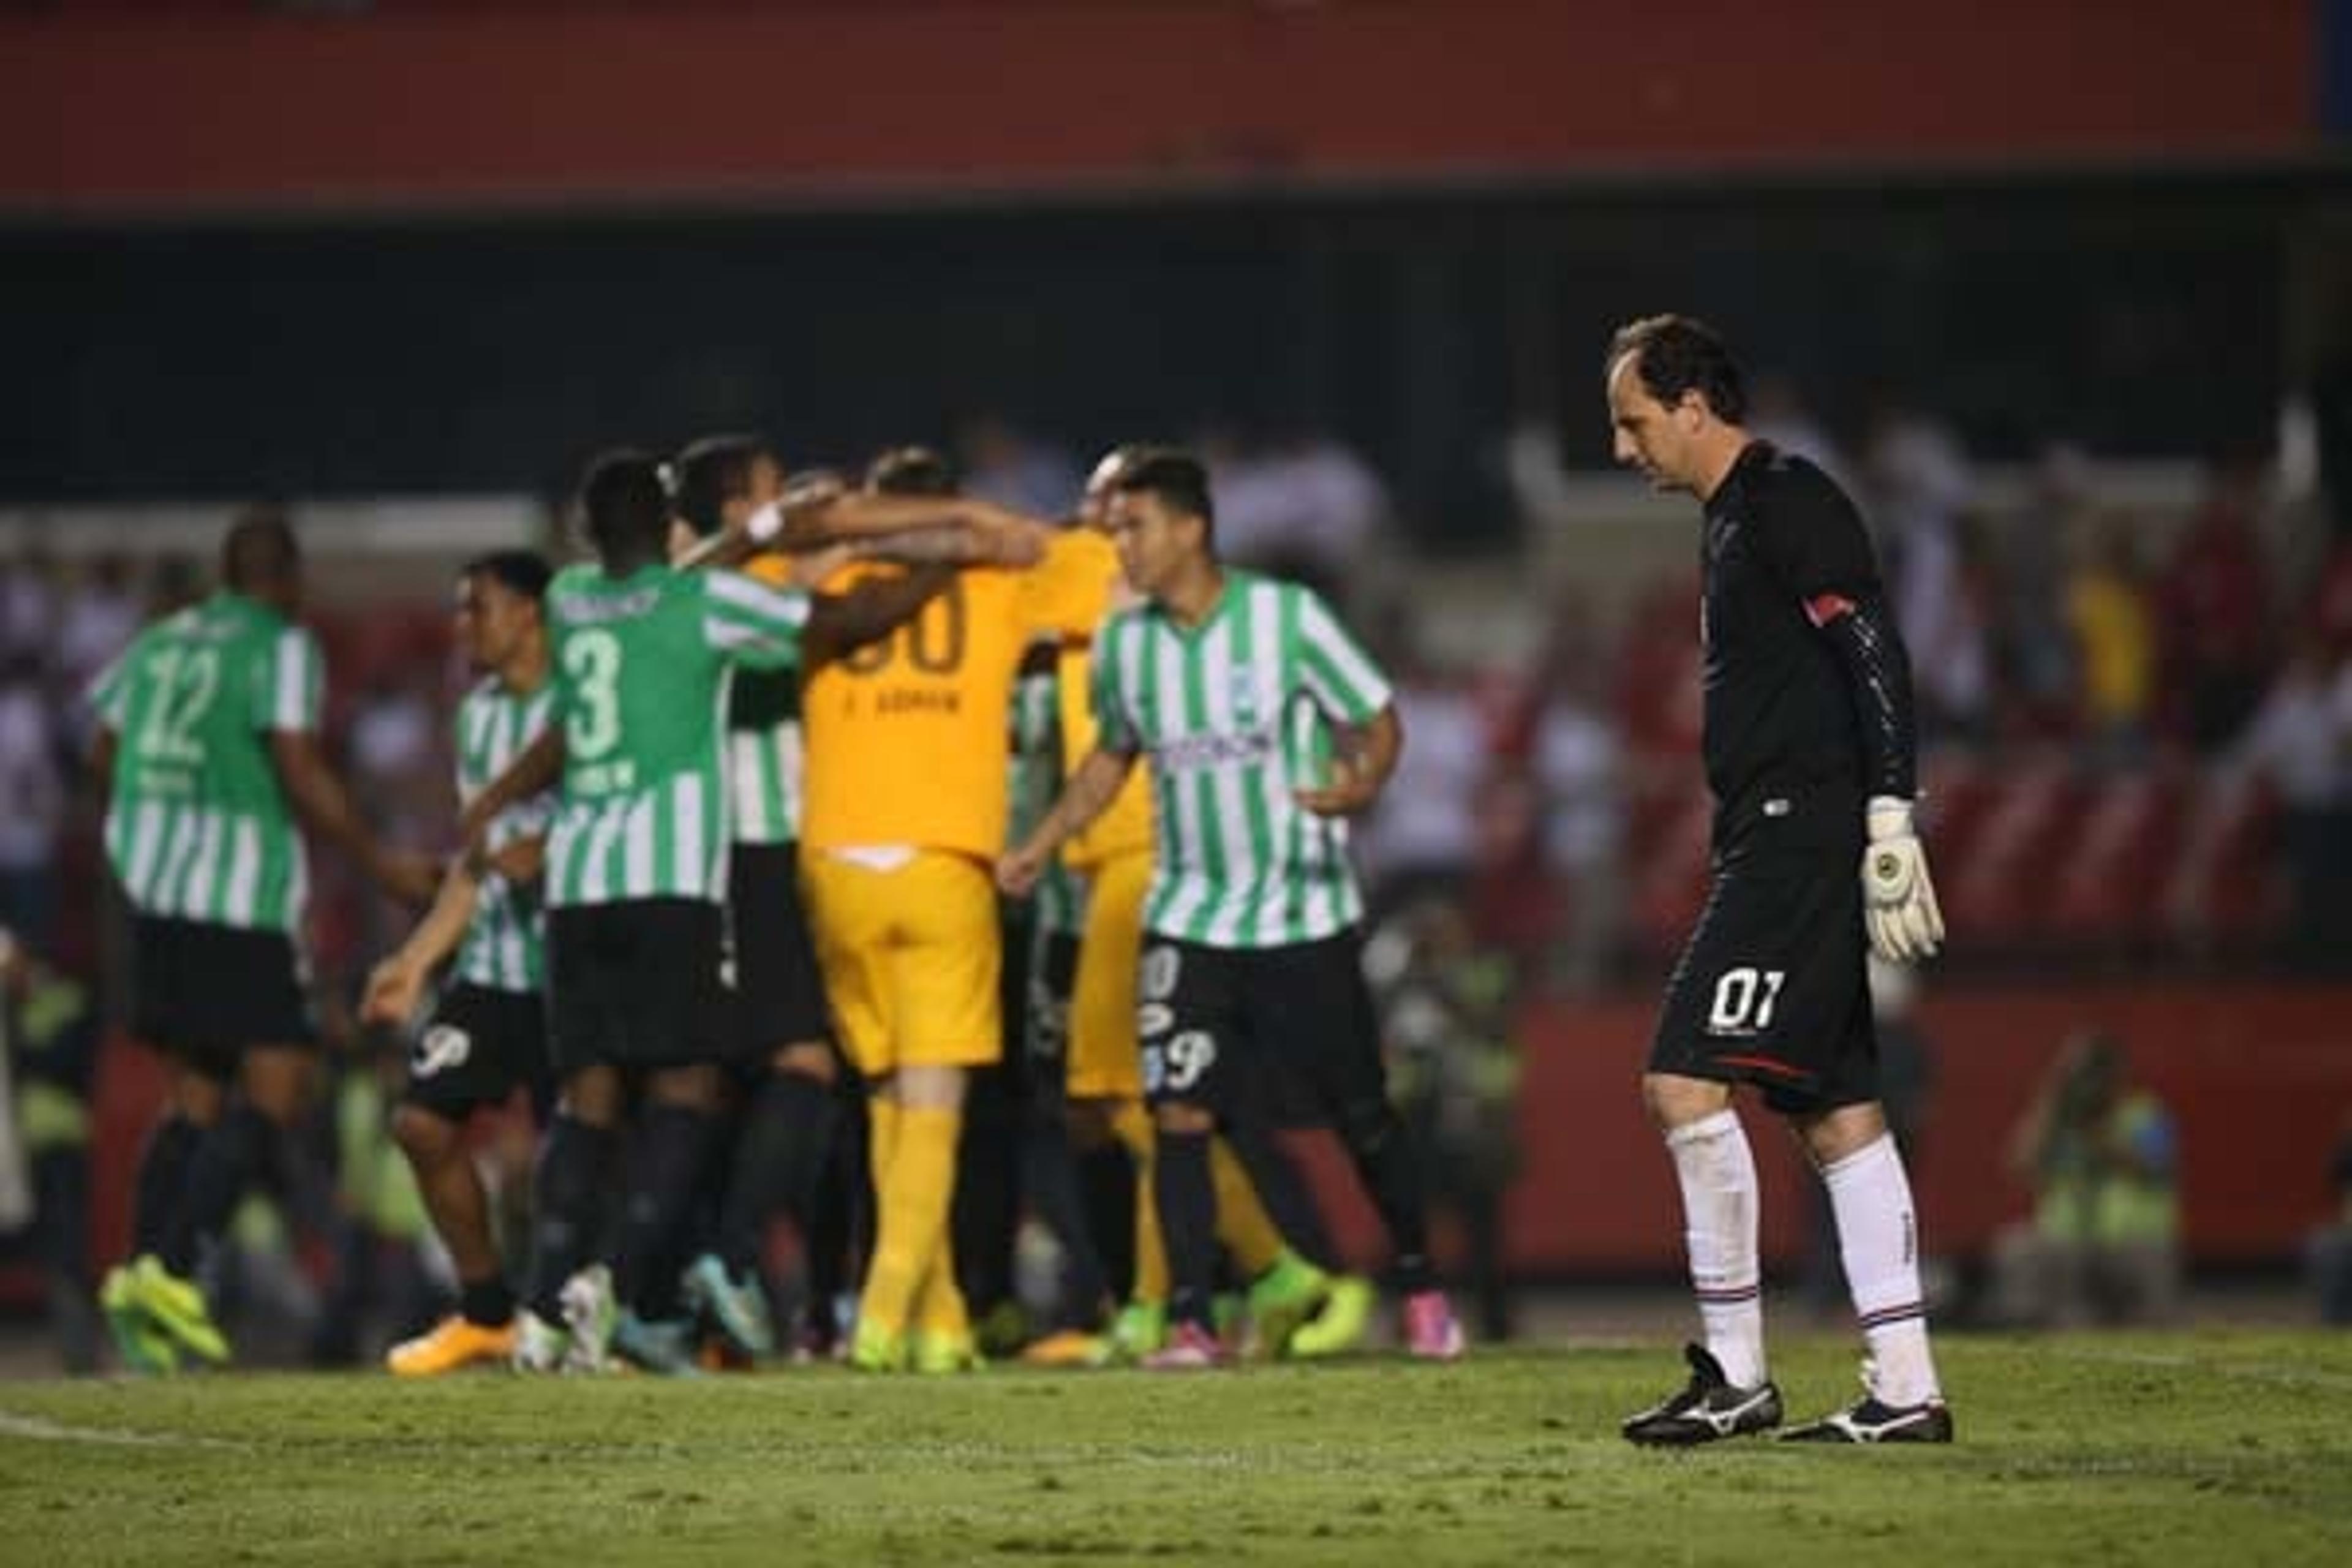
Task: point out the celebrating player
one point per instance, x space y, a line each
784 1037
635 875
487 1034
208 738
1232 684
1104 1079
907 802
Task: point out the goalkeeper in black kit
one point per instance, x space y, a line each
1810 755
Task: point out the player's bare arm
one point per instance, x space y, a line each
839 623
325 807
520 861
865 515
396 986
1093 786
535 771
1365 760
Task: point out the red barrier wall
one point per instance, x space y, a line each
109 111
2258 1077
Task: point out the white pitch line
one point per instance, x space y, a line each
40 1429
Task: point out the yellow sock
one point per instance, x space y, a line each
911 1201
1130 1124
1243 1227
939 1311
881 1140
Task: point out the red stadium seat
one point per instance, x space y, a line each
2119 852
2225 891
2000 889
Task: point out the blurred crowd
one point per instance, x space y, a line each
2138 729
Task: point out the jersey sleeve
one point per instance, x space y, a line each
753 623
291 684
1115 728
1812 539
1337 673
109 691
1064 594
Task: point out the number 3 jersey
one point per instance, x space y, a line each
641 668
197 825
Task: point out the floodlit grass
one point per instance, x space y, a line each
2232 1447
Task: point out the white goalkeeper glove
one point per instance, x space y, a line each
1899 901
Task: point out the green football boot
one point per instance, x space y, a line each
1346 1318
177 1307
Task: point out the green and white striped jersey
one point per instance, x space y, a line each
642 677
1058 903
764 757
1232 714
197 825
503 948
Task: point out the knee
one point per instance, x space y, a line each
1673 1102
1183 1118
196 1098
930 1088
1089 1124
811 1059
686 1088
593 1098
426 1137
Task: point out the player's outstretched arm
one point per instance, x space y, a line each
395 985
325 807
840 623
1366 758
863 516
1899 907
1092 787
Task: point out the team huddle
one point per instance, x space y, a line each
740 850
738 832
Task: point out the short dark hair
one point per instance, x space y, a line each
1117 462
259 549
1675 354
712 472
522 573
911 471
1179 479
623 504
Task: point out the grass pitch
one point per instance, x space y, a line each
2220 1446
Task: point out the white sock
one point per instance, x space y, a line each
1718 1181
1878 1237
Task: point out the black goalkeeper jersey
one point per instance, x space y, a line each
1781 727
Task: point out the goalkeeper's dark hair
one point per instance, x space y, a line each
525 573
712 472
624 506
1179 479
911 471
1675 354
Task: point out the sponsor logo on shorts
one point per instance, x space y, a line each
443 1046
